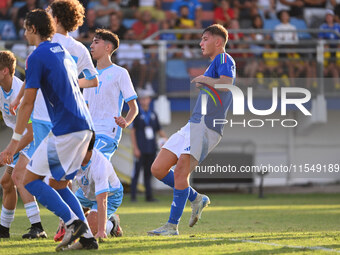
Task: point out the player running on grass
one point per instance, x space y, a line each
192 143
52 69
10 86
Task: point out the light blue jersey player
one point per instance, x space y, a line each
106 101
10 87
51 69
192 143
101 191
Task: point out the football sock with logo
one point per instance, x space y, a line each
49 198
169 180
178 204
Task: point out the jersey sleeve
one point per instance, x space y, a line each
126 87
226 66
100 178
86 66
34 72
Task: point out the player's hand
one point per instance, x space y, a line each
120 121
136 152
7 155
199 81
13 106
101 234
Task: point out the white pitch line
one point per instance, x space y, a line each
287 246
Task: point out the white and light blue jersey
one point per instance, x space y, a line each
223 64
5 100
97 177
51 69
106 101
85 66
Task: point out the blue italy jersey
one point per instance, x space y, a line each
223 64
329 35
51 68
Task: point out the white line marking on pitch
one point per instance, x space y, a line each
287 246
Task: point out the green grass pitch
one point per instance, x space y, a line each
232 224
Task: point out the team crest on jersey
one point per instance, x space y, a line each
56 49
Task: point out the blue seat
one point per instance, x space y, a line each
270 24
128 22
300 24
176 68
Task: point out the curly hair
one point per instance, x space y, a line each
107 35
7 59
42 22
70 13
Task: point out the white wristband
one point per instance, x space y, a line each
16 136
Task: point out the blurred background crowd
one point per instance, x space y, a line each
267 38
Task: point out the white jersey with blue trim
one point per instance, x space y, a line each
81 56
6 98
97 177
106 101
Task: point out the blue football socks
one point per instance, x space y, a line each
72 201
178 204
49 198
169 180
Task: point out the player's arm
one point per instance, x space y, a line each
201 80
14 104
131 115
84 83
24 114
26 139
102 214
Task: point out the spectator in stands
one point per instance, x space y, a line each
154 7
165 25
294 7
336 7
329 25
129 8
131 56
103 11
266 8
29 6
223 14
314 12
331 69
87 30
246 9
252 64
269 67
195 10
5 6
281 35
144 27
116 26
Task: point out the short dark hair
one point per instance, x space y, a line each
70 13
42 22
7 59
217 29
107 35
92 141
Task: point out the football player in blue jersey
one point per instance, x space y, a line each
52 69
192 143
